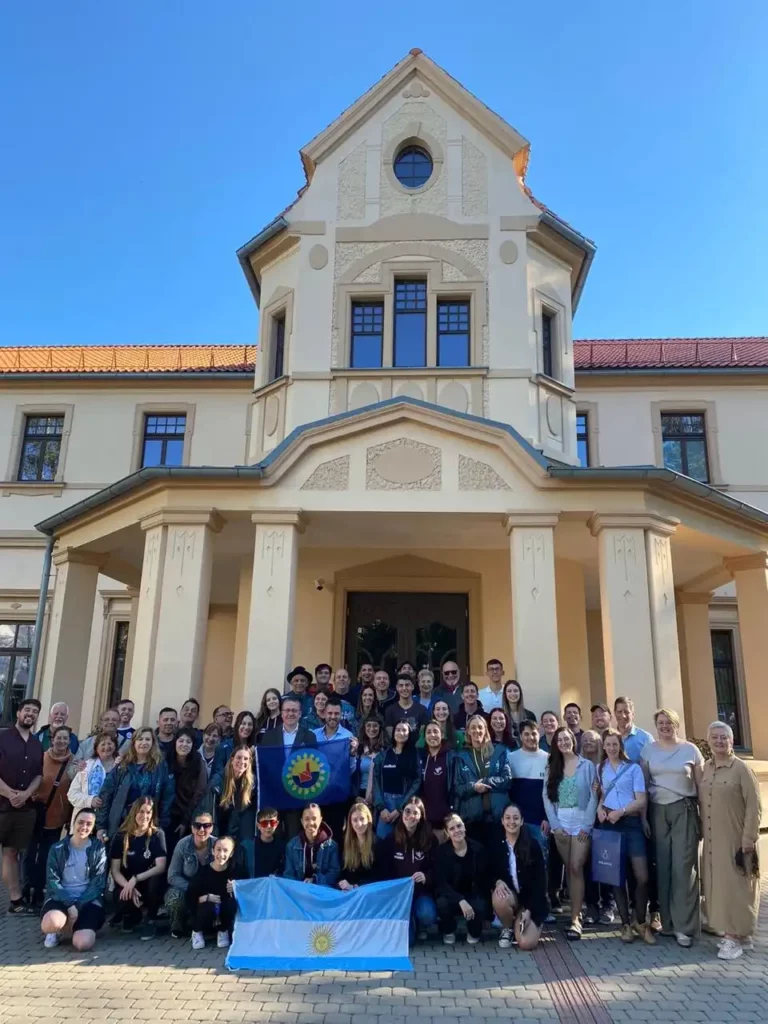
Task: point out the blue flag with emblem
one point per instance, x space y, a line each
288 778
284 925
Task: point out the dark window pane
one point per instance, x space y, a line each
673 455
413 167
685 444
367 334
164 439
153 453
410 339
7 634
118 663
50 461
410 295
16 645
725 682
546 342
696 452
453 334
278 347
25 634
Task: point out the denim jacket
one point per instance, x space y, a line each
467 802
326 862
184 862
96 859
586 788
114 795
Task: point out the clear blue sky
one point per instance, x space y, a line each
141 143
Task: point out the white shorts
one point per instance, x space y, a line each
573 821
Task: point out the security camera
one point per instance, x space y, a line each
320 584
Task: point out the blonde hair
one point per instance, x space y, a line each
598 755
486 748
358 854
671 715
155 755
128 828
230 782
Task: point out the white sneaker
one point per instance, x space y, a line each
51 940
747 944
222 940
198 940
449 939
730 950
472 940
683 940
505 939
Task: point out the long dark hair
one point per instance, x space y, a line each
251 741
409 753
360 712
525 841
556 763
507 737
187 772
422 838
449 729
362 737
507 707
263 714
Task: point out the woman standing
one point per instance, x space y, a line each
315 719
731 809
408 853
549 726
237 806
396 778
370 743
438 773
512 702
75 880
426 686
483 777
359 853
622 804
268 717
142 772
244 732
519 895
570 800
672 769
192 853
501 730
461 883
53 811
367 706
442 714
190 781
591 746
87 784
138 859
210 748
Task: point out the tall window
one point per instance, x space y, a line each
582 438
41 447
164 440
684 442
367 334
277 355
15 650
725 682
453 334
410 323
117 669
547 341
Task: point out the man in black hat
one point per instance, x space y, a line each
299 679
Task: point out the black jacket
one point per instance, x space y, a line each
361 875
532 876
393 861
447 872
274 738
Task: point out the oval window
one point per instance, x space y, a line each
413 167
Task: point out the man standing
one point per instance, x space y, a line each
405 708
381 685
190 712
57 716
450 688
21 772
528 765
108 723
365 673
572 716
299 680
125 710
469 706
601 718
289 735
222 716
348 699
323 684
634 739
335 814
492 695
167 723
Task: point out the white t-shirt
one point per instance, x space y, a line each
490 699
289 738
671 772
513 866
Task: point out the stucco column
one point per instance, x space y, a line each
534 608
637 634
273 600
696 662
751 575
172 617
69 631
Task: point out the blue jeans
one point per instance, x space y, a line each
385 828
423 915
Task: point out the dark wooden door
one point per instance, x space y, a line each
389 628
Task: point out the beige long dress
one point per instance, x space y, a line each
729 799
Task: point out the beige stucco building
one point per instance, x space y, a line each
400 472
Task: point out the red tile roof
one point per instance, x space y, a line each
670 353
128 359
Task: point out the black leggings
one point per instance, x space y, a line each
449 911
36 862
208 917
151 890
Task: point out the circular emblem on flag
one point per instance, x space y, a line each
321 940
306 774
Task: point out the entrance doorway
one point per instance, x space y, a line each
390 628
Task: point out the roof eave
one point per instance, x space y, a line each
575 238
245 252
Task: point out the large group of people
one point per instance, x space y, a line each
489 808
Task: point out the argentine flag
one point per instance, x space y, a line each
287 925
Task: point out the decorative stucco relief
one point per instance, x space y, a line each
415 90
329 476
474 180
371 275
350 195
403 465
479 476
394 199
272 548
451 273
183 545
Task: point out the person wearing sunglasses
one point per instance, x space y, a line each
449 689
192 852
269 848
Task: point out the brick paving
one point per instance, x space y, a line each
128 980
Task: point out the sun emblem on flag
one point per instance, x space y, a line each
321 940
306 774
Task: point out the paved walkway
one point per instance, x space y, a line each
596 981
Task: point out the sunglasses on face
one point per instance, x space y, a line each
205 825
450 673
268 823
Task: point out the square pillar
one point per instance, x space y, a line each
751 575
69 630
698 670
534 607
635 603
172 616
273 601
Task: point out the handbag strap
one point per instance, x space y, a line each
55 785
611 785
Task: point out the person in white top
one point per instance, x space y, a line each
491 696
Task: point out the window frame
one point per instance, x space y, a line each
280 306
413 148
369 304
164 438
413 134
140 414
45 439
13 653
591 411
724 616
688 407
683 439
561 368
445 301
21 414
583 436
411 314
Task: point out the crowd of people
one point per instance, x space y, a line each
488 807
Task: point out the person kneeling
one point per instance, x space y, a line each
211 896
312 855
519 896
75 878
461 883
